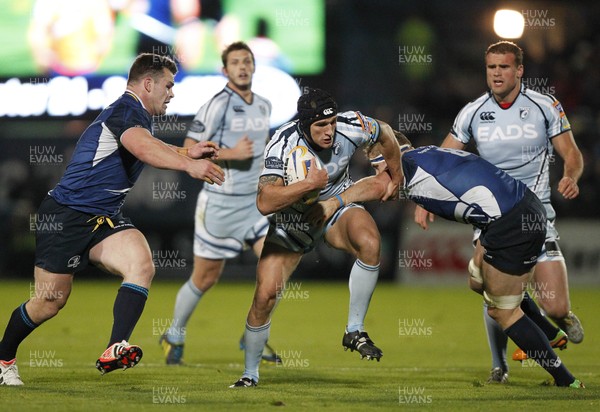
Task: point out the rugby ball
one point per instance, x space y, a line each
297 164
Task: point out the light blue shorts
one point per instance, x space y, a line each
226 225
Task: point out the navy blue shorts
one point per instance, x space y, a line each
512 243
64 236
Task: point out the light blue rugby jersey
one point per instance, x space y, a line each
458 185
101 171
225 119
353 131
517 139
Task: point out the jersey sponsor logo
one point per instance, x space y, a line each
197 126
370 126
273 163
563 116
487 116
334 167
524 112
241 124
558 107
511 132
238 109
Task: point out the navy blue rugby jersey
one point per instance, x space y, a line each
458 185
101 171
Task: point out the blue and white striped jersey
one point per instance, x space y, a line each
225 119
458 185
516 139
353 131
101 171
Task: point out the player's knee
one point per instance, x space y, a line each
49 305
204 279
369 248
502 316
555 309
205 284
140 272
266 295
146 269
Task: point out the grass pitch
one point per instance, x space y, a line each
435 354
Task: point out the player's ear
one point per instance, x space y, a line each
148 84
520 71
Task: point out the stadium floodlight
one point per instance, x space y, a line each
509 24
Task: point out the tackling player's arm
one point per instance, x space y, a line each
244 149
365 190
197 150
154 152
566 147
390 149
422 216
274 196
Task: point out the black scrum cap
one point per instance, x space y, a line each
313 105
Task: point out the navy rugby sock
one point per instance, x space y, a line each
19 327
533 311
529 337
127 310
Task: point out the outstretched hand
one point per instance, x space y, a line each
204 150
206 170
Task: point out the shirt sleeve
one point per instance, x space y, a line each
557 119
360 129
460 128
208 120
274 156
125 117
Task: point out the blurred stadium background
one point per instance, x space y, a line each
411 64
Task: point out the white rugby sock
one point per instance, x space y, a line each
255 339
497 340
363 279
185 303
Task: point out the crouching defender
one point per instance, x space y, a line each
462 187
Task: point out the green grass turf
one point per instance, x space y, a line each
440 365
